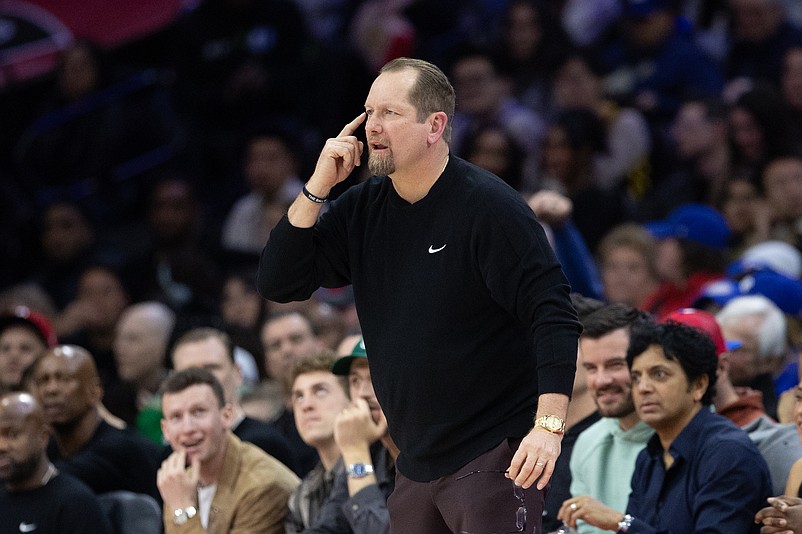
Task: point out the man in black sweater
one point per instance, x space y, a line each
464 309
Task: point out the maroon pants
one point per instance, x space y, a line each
477 499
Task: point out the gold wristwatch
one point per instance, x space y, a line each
552 423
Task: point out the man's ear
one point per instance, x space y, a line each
437 126
699 387
227 412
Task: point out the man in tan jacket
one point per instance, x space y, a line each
213 482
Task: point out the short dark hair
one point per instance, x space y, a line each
691 348
431 92
204 333
611 317
178 381
584 306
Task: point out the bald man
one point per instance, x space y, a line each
141 340
65 382
35 496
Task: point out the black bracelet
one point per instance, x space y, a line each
314 198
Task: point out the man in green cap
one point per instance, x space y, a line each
358 501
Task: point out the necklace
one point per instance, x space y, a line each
445 164
49 474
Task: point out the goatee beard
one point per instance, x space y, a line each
381 165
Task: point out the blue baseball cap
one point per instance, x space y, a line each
719 292
784 291
695 222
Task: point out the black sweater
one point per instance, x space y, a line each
463 307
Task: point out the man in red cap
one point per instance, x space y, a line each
778 444
24 336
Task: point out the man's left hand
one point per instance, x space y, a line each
535 459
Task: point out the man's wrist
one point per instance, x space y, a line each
182 515
314 191
625 522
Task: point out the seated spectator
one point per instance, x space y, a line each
624 165
211 349
699 472
493 149
603 457
700 139
90 319
176 259
286 337
35 496
530 49
761 33
656 64
25 335
746 212
318 396
66 384
782 186
243 311
793 486
69 244
140 351
271 171
627 256
572 143
213 482
358 501
778 444
759 130
690 253
480 89
760 327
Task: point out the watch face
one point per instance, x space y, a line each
358 470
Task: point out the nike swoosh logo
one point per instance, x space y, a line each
432 250
27 527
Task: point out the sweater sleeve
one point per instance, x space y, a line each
523 275
297 261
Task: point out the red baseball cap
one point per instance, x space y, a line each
24 316
706 322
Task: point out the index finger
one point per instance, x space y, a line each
352 126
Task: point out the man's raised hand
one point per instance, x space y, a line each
337 159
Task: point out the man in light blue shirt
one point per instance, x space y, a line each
604 455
